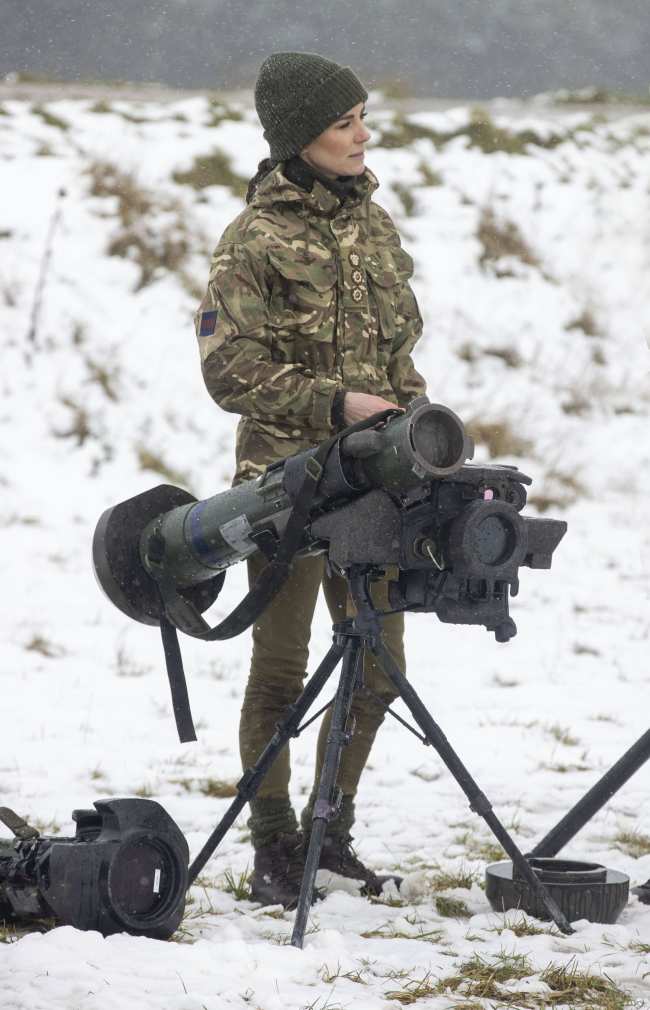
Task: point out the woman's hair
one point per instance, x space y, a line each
265 166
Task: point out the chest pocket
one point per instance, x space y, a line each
388 269
303 297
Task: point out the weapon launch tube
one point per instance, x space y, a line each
191 543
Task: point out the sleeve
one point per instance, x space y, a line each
406 382
233 330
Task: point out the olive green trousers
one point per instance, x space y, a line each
278 668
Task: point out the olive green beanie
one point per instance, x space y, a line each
298 95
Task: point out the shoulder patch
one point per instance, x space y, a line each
208 323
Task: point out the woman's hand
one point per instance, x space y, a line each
359 406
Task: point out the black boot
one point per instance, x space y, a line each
278 870
338 856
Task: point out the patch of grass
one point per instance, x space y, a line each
510 357
501 681
483 133
500 238
406 197
353 975
500 437
562 734
480 132
11 932
414 989
632 843
389 900
480 982
219 112
561 490
106 180
219 788
127 667
596 96
238 884
49 118
213 170
573 987
3 111
586 323
390 931
564 767
477 848
429 175
80 427
149 459
451 908
445 880
637 947
103 375
101 108
145 791
580 649
151 249
523 926
44 646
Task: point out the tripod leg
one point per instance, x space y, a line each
479 803
252 777
325 806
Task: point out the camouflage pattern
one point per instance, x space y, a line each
307 295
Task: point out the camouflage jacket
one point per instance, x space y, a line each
307 295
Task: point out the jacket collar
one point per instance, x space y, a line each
276 188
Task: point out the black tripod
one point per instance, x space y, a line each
351 637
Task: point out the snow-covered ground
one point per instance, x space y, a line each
532 272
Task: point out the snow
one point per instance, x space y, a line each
86 712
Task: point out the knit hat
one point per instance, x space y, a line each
298 95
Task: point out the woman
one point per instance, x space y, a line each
307 326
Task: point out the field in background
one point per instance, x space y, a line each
531 237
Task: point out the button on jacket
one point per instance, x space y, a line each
308 294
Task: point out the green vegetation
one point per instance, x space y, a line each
480 132
499 437
480 979
446 880
391 931
238 884
451 908
213 170
562 734
50 119
218 788
219 112
149 459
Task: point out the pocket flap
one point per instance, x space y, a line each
388 267
319 274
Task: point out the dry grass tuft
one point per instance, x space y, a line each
44 647
632 843
491 983
500 437
500 238
149 459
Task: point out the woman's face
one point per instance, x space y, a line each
339 150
